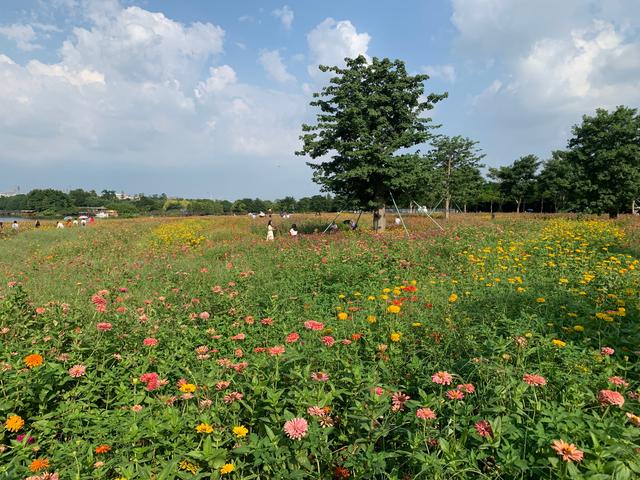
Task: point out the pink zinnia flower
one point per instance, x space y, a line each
425 414
239 336
466 388
316 411
455 395
313 325
232 397
267 321
98 300
104 326
222 384
21 437
136 408
610 397
293 337
398 400
296 428
378 391
568 451
534 380
328 340
320 376
40 310
607 351
483 428
77 371
618 381
204 315
276 351
442 378
150 342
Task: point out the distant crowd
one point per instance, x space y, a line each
81 221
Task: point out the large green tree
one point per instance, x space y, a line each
369 121
457 167
605 154
555 181
518 180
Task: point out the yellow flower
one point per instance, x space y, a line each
564 280
386 290
453 298
372 319
416 324
14 423
371 297
204 428
240 431
343 316
227 468
578 328
187 388
341 295
520 289
188 466
395 336
559 343
384 297
393 309
540 300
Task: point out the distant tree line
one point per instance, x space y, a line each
55 203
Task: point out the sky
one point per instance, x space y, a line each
205 98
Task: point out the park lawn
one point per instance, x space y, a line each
193 348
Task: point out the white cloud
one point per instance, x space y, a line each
285 14
77 78
23 35
272 63
132 44
445 72
219 78
331 42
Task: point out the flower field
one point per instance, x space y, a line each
191 349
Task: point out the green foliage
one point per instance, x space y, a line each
518 180
604 153
369 120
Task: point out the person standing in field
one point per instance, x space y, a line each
293 231
270 230
15 226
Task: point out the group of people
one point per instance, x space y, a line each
15 226
293 231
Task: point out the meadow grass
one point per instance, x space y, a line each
192 348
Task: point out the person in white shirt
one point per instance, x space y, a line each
60 225
293 231
270 230
15 225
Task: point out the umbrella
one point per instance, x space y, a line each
68 218
83 217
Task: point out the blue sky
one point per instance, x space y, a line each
205 98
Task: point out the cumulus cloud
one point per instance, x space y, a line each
219 78
23 35
331 42
285 14
271 61
133 44
445 72
129 91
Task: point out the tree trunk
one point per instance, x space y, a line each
518 205
379 220
542 205
465 208
447 200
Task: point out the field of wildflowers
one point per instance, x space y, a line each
193 349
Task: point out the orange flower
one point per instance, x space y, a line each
568 451
39 464
103 449
33 360
14 423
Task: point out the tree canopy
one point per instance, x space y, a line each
369 120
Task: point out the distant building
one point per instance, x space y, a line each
127 196
92 211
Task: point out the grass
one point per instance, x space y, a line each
208 303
